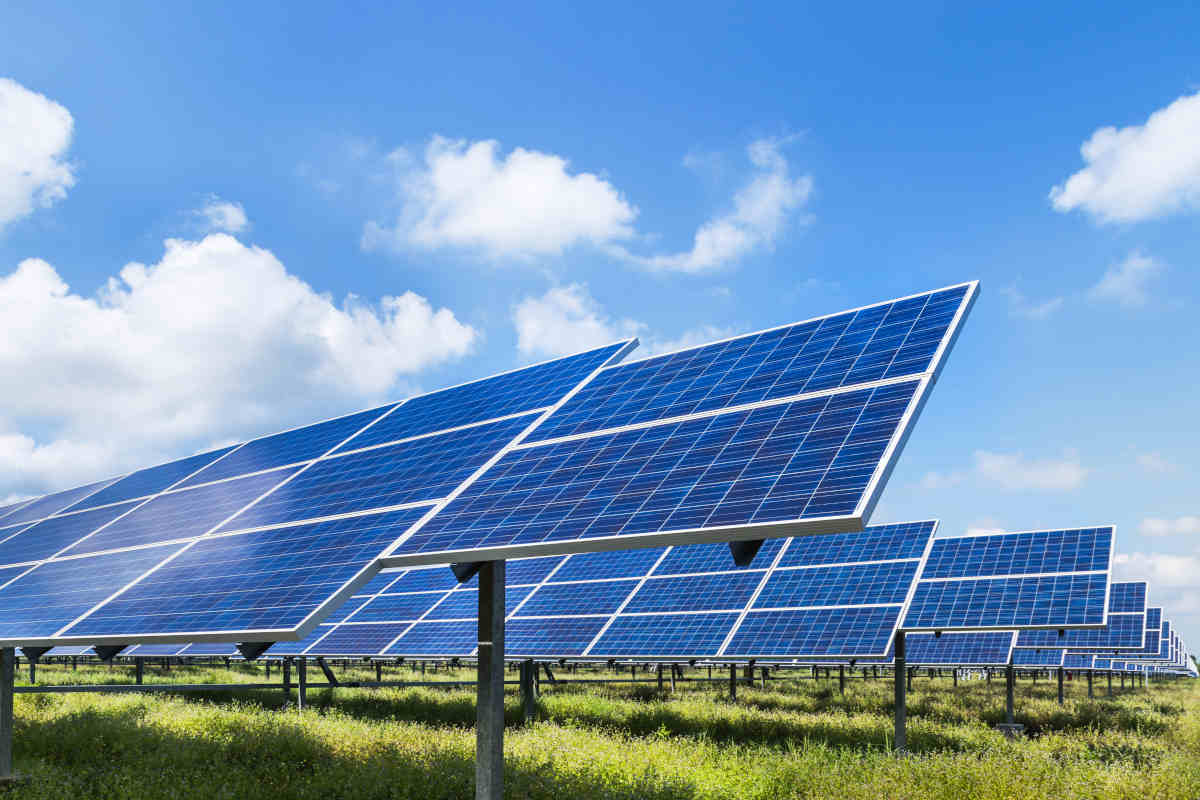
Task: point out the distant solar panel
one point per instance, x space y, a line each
1077 660
254 542
1030 657
834 595
1041 579
777 433
953 649
1125 629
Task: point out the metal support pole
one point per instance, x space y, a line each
302 687
672 678
1060 686
33 670
899 678
733 681
287 679
1091 695
489 726
528 698
908 671
658 669
1009 680
1110 683
139 669
762 678
378 671
841 678
954 672
7 668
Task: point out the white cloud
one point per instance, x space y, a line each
525 204
567 319
942 480
1155 526
1127 283
528 204
35 133
1021 306
760 211
1141 171
1163 570
1014 471
217 339
1155 462
223 216
985 525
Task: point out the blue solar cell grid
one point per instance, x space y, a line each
845 631
52 504
1125 629
522 390
873 343
859 584
152 480
44 539
1050 601
1037 552
1029 657
289 447
958 649
1127 597
421 470
812 458
267 579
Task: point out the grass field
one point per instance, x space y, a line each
795 739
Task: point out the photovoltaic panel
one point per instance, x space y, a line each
1031 657
681 601
289 447
1077 660
11 507
771 436
952 649
52 504
1125 629
420 470
152 480
984 582
276 578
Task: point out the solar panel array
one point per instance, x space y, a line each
1125 629
830 595
1035 579
775 433
254 540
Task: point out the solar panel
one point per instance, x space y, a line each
777 433
834 595
1077 660
1125 629
953 649
1029 657
255 542
1039 579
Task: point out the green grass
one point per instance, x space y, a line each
795 739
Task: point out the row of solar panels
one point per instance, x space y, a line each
789 430
822 598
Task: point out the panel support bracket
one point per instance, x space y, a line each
106 652
252 650
466 570
744 552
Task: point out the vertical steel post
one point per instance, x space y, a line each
954 672
841 678
1091 695
528 699
1060 686
733 681
900 678
287 679
7 668
139 669
658 669
1009 680
302 680
378 671
1110 683
489 726
672 678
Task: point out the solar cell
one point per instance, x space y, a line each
1040 579
1030 657
1125 629
52 503
44 539
764 435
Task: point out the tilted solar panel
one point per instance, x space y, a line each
777 433
1030 657
1041 579
953 649
259 541
836 595
1125 629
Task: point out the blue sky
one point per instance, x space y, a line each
369 202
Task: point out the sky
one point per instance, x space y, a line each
223 221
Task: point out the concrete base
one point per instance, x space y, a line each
1011 730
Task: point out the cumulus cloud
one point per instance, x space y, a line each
760 210
1021 306
985 525
1014 471
528 204
1127 283
223 215
1140 171
567 319
1162 570
1155 462
216 339
1155 526
35 134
